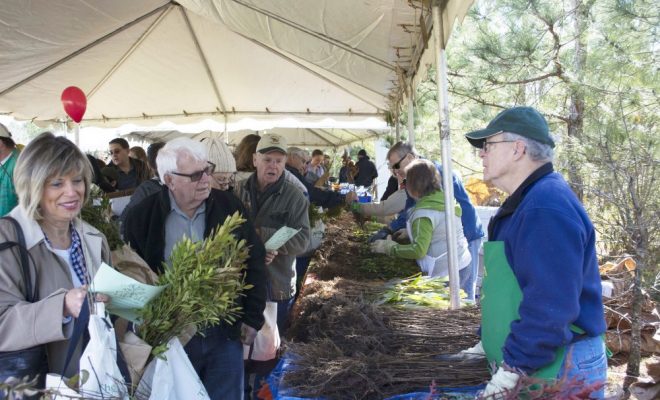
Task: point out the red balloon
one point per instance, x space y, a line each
74 102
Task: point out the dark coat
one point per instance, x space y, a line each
366 172
145 232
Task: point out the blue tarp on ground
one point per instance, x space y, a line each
279 393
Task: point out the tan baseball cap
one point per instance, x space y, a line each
271 142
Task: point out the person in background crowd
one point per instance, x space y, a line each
138 153
272 203
347 170
8 156
366 170
53 179
97 176
315 167
224 177
542 311
244 154
188 206
399 156
426 226
147 187
392 186
111 176
132 172
295 162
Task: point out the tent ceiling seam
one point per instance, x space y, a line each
330 134
319 136
352 134
83 49
202 56
330 81
320 36
245 113
130 51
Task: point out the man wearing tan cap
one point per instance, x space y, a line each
8 157
273 202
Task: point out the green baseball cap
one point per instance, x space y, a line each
524 121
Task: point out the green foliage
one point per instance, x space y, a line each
96 212
419 291
203 284
591 68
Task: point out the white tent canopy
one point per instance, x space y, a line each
148 61
299 137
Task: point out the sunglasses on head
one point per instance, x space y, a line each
196 176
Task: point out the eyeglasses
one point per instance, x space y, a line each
196 176
487 144
397 165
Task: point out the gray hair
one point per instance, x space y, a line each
297 151
537 151
401 149
170 153
45 157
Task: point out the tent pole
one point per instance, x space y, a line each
76 134
225 132
445 139
411 115
397 128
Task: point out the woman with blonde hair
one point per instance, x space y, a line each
45 275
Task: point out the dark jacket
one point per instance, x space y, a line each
145 232
318 196
282 204
142 172
366 172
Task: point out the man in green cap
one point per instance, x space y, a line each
542 313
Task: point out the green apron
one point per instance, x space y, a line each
500 299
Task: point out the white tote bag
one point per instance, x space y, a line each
100 360
267 341
171 377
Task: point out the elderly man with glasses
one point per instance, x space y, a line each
399 157
188 206
542 312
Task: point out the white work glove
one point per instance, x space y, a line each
500 385
383 246
476 350
248 334
472 353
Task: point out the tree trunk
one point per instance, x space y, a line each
632 371
576 108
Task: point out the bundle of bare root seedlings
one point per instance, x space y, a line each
321 368
344 346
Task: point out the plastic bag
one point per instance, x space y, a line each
267 341
171 376
100 360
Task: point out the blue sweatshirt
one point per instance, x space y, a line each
550 245
472 228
